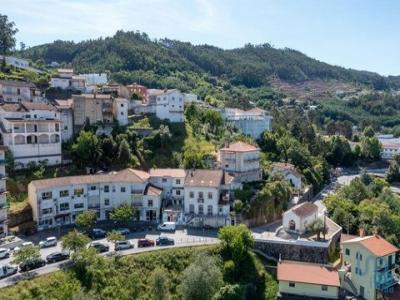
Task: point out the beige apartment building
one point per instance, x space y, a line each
97 108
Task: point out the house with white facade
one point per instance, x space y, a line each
19 91
289 172
169 104
242 160
67 119
19 63
297 218
120 110
251 122
59 200
206 201
3 190
31 131
171 181
95 78
66 79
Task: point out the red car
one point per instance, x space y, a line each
145 243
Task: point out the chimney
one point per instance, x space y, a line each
362 232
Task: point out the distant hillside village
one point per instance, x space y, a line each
36 127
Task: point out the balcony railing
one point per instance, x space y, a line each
93 205
200 200
386 283
384 268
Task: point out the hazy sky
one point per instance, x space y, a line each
361 34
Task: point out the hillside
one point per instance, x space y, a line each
134 56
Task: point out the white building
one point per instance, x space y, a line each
3 199
95 78
169 104
389 150
66 79
67 119
205 199
19 63
289 172
59 200
31 131
299 217
172 181
120 110
242 160
251 122
18 91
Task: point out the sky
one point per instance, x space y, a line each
359 34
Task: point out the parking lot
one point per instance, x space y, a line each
181 237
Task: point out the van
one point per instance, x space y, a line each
167 226
7 270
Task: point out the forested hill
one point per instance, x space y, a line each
127 53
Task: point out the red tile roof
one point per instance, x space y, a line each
152 190
307 273
305 209
240 147
376 244
167 172
204 178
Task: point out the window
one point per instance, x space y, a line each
164 179
47 195
78 205
46 211
292 284
191 195
78 192
106 202
191 208
324 288
106 188
64 193
64 206
150 203
201 195
209 210
201 209
178 181
178 192
92 187
209 195
360 256
123 189
57 127
347 251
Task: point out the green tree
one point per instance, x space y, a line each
165 135
236 241
369 132
74 241
123 213
114 236
87 149
229 292
7 35
371 148
27 253
86 219
124 153
317 227
393 173
159 284
201 279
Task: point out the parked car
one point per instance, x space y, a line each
4 253
123 231
164 241
167 226
7 270
31 264
48 242
23 245
145 243
97 233
100 247
57 256
123 245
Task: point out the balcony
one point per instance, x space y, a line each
385 268
386 283
93 205
200 200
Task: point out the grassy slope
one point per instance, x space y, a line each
64 285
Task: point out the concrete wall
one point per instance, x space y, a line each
308 290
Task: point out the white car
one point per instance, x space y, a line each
4 253
167 226
23 245
7 270
48 242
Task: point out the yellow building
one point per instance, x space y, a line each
96 108
369 265
307 280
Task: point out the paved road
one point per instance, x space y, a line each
182 238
